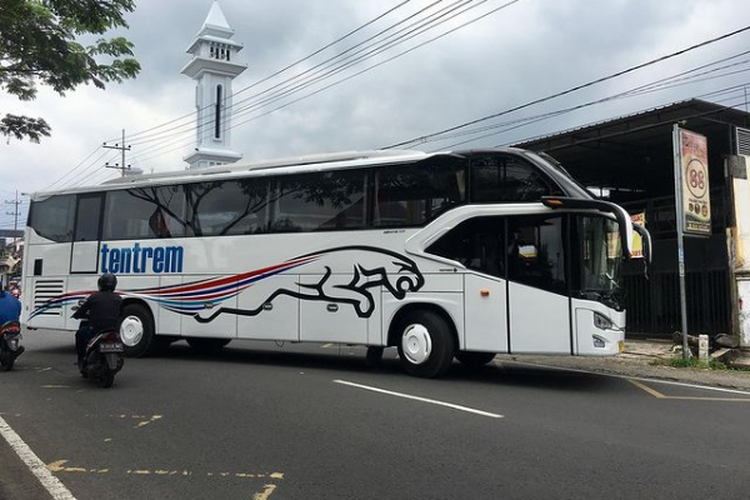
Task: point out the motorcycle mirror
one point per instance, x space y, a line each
131 331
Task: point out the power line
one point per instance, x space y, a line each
571 90
272 90
287 67
369 68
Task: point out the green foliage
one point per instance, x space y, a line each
38 46
693 362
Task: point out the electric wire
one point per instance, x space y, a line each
571 90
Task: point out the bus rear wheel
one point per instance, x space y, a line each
426 344
207 346
474 359
138 316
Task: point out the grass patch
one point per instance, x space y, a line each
680 362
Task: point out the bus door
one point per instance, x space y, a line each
479 245
538 289
84 256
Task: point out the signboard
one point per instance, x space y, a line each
696 202
639 219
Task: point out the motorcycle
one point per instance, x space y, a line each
10 344
103 359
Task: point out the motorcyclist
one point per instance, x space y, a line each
100 312
10 307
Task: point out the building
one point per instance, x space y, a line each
630 161
213 67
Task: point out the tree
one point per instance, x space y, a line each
38 44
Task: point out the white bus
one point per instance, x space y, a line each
442 255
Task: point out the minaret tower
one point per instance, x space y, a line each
213 67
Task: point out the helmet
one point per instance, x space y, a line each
107 282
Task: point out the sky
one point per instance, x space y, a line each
525 51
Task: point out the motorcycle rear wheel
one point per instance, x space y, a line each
106 379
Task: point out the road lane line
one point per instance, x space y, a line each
627 377
419 398
53 485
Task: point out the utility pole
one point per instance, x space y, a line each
15 213
122 167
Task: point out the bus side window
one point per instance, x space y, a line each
410 195
53 218
501 178
153 212
320 201
477 243
536 252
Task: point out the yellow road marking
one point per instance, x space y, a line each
55 387
659 395
648 389
267 490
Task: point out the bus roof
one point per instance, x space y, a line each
294 164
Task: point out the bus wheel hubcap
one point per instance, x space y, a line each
131 331
416 344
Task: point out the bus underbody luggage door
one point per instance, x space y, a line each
84 257
485 313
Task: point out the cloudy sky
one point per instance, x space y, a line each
531 49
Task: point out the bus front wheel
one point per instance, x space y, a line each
426 344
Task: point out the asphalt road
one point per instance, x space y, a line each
259 421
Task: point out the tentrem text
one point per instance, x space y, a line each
141 259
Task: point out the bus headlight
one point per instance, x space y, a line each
602 322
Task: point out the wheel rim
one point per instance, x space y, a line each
131 331
416 344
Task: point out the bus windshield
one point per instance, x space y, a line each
601 259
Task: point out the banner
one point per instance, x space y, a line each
638 219
696 202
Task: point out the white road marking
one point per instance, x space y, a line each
418 398
627 377
37 467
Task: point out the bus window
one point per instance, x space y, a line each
410 195
536 255
501 178
155 212
478 244
320 201
227 207
88 216
53 218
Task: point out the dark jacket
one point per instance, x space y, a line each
103 311
10 308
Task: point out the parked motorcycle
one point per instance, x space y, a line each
10 344
104 358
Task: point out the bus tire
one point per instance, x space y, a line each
150 344
426 344
207 346
474 359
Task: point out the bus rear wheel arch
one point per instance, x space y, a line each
426 342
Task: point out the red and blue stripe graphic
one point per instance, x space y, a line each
187 298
